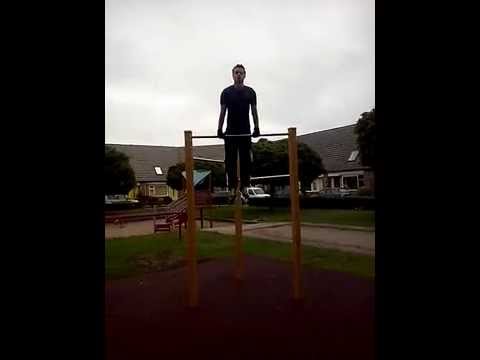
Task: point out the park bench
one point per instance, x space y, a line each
169 222
174 217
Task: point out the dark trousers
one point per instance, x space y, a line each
243 146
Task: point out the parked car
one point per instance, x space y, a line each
255 193
120 200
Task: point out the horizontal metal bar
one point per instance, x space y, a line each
205 137
207 159
236 135
269 177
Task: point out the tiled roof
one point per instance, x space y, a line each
144 158
334 147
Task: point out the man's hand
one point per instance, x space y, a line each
256 132
220 133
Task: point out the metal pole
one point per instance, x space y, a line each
192 276
239 259
295 213
207 159
236 135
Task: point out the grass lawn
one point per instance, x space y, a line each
326 216
138 254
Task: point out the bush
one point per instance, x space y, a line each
270 202
222 198
121 206
152 200
365 192
350 202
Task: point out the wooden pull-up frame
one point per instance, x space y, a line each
191 253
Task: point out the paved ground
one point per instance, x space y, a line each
142 228
146 317
349 239
362 242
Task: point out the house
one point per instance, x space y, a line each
339 152
151 163
337 147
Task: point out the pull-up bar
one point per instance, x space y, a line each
207 159
235 135
191 260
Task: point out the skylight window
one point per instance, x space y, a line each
353 155
158 170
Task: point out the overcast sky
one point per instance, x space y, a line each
311 63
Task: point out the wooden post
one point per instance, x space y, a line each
192 277
210 203
210 184
239 260
154 219
295 213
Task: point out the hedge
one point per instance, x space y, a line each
350 202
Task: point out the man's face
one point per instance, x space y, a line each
238 75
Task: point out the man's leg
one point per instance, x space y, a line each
231 162
245 147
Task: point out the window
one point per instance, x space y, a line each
327 182
335 181
350 182
319 184
353 155
158 170
361 183
151 190
162 190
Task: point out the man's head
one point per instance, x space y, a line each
238 74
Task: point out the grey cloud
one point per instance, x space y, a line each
310 62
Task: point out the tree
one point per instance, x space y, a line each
271 158
366 138
217 169
175 177
119 176
310 165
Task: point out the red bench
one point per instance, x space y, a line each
169 222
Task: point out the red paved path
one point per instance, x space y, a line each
146 317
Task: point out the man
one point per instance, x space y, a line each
237 99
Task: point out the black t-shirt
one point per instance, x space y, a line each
238 101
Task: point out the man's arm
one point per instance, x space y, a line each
256 130
221 118
255 115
